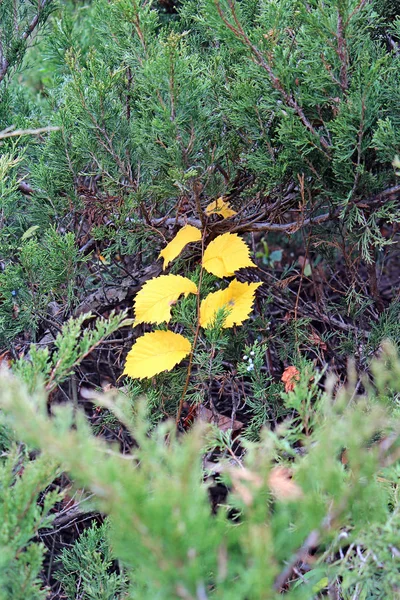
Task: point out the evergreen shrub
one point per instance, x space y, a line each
120 122
322 507
289 109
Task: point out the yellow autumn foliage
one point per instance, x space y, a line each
226 254
155 352
220 207
238 298
153 302
187 234
160 351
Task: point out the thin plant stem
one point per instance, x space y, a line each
196 335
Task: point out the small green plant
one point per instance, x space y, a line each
71 346
264 402
123 122
22 482
37 274
87 570
161 350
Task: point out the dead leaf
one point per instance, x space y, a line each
223 423
288 317
316 340
5 359
290 377
283 283
245 483
282 485
108 387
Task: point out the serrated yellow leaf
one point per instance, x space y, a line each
226 254
210 306
155 352
220 207
187 234
153 302
238 298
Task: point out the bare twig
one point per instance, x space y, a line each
196 337
10 132
4 64
290 228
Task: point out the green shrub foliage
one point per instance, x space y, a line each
120 121
86 568
22 482
162 529
278 105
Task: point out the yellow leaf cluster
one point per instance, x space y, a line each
155 352
153 302
162 350
220 207
187 234
226 254
237 298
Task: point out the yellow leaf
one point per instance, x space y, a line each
238 298
103 260
210 305
155 352
153 302
187 234
220 207
226 254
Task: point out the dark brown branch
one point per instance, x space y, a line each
4 64
290 228
32 25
